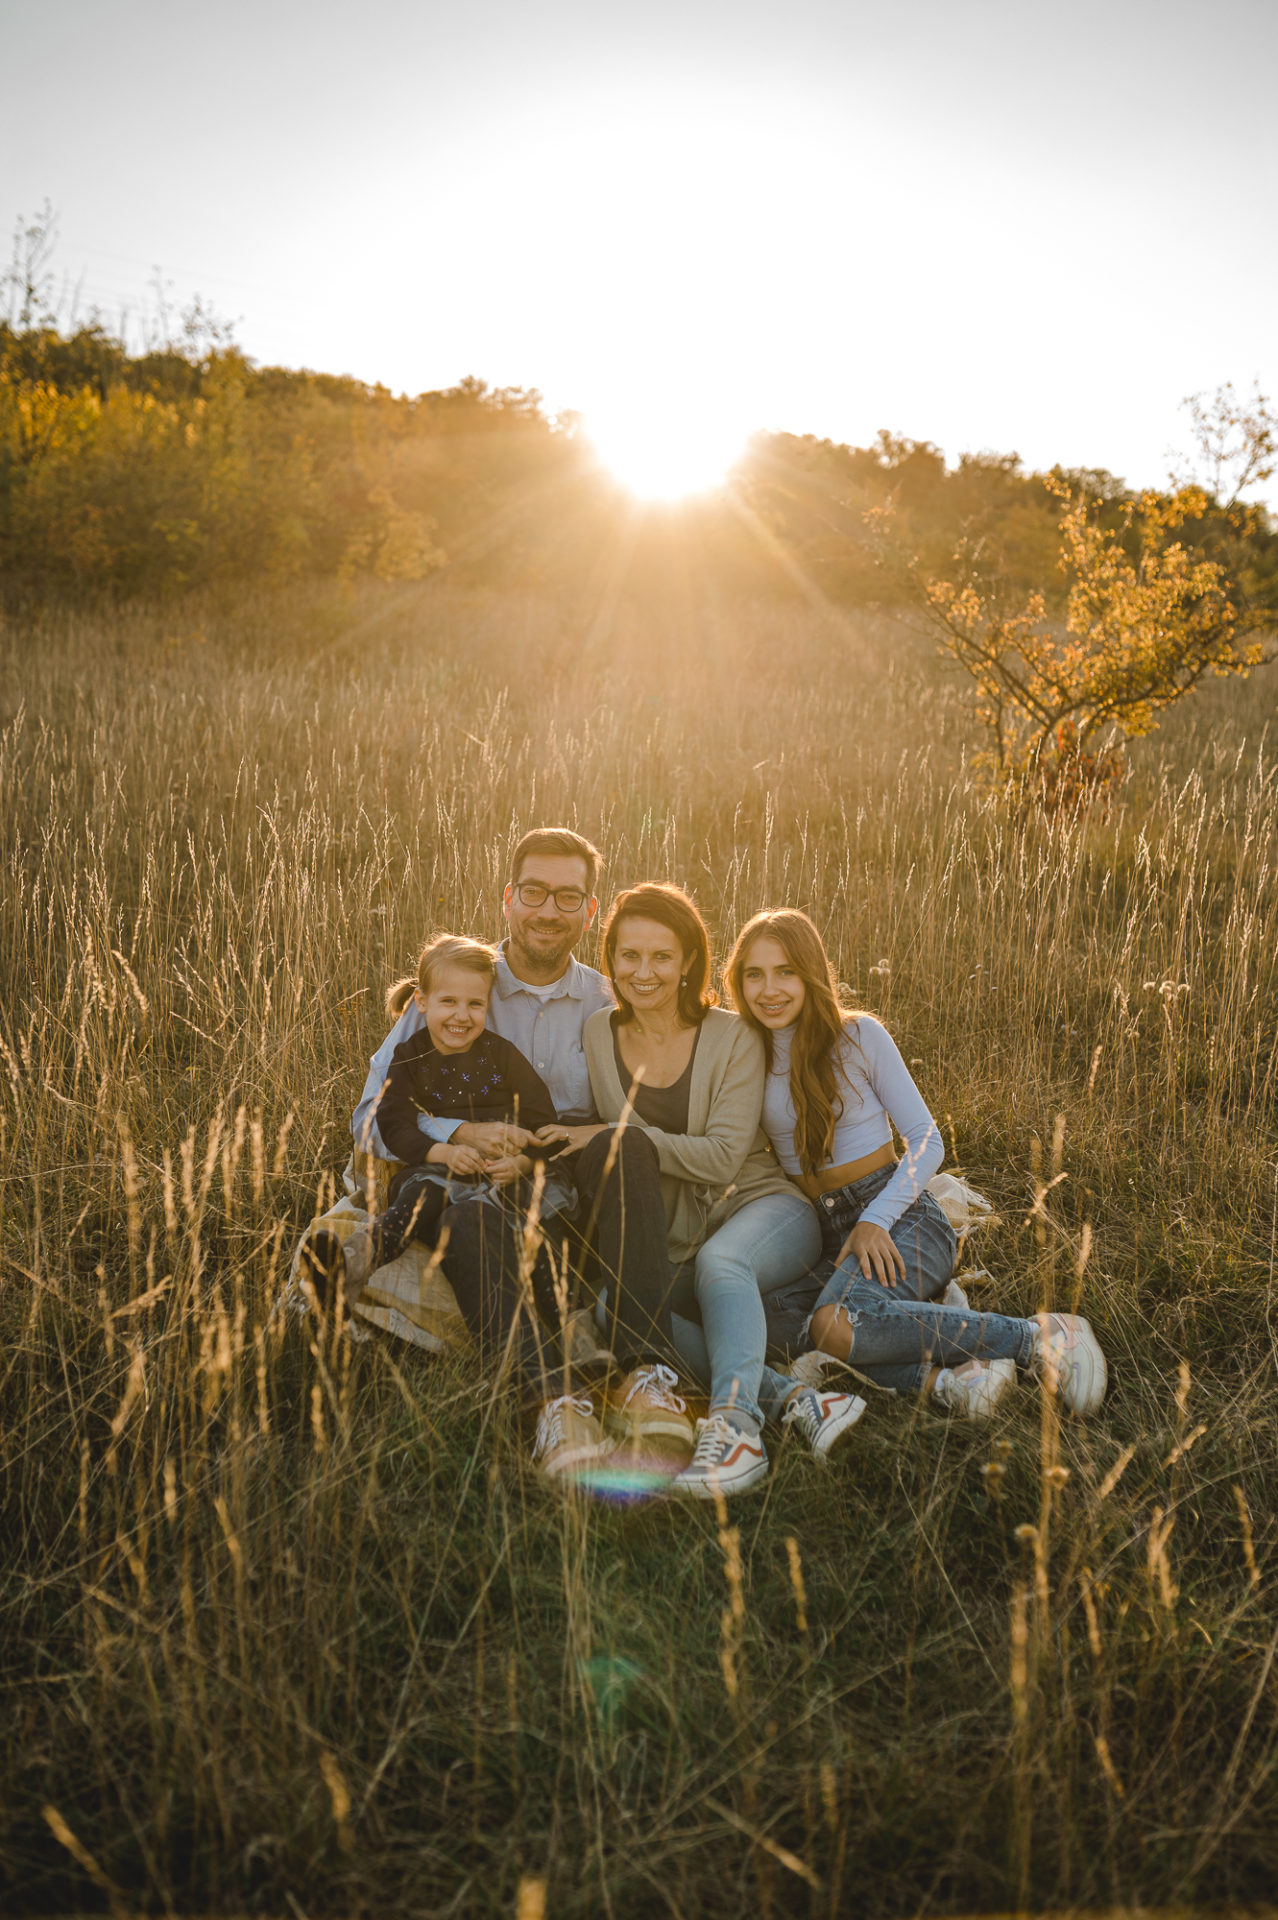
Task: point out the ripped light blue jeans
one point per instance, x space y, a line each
898 1333
765 1244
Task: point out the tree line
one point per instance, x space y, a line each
184 465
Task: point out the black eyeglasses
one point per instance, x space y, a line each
532 894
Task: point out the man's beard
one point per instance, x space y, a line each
542 957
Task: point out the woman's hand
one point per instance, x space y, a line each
457 1159
875 1252
509 1167
574 1138
492 1137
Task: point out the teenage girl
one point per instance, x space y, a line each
836 1085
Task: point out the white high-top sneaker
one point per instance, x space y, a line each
975 1388
1067 1349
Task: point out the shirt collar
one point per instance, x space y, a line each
570 984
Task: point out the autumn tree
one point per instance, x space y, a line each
1145 616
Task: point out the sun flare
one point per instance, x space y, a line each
660 453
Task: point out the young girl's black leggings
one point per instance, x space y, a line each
417 1200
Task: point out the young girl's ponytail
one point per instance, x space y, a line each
399 995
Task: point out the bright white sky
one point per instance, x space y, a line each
988 223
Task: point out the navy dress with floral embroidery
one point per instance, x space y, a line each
490 1081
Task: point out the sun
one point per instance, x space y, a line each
664 453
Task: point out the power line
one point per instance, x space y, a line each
152 266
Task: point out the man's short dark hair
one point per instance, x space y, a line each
561 843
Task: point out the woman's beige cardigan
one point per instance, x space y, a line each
724 1159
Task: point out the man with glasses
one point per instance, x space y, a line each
541 1000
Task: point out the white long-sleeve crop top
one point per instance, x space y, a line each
878 1093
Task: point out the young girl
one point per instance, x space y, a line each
452 1067
836 1085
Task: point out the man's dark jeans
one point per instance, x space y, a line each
616 1236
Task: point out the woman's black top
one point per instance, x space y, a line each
662 1107
490 1081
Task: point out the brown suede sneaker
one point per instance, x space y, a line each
570 1441
648 1418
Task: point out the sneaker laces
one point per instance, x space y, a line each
552 1426
657 1384
955 1384
713 1434
804 1411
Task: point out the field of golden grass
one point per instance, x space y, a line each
292 1627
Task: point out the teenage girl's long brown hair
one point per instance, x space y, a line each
817 1082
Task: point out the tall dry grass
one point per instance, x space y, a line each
289 1625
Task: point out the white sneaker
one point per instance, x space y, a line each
954 1296
568 1438
1068 1355
975 1388
725 1460
824 1419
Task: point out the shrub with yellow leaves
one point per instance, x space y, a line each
1146 615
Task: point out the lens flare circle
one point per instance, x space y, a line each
619 1482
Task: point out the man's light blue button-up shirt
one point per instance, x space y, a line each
545 1023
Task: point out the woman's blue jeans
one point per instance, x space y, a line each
766 1243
